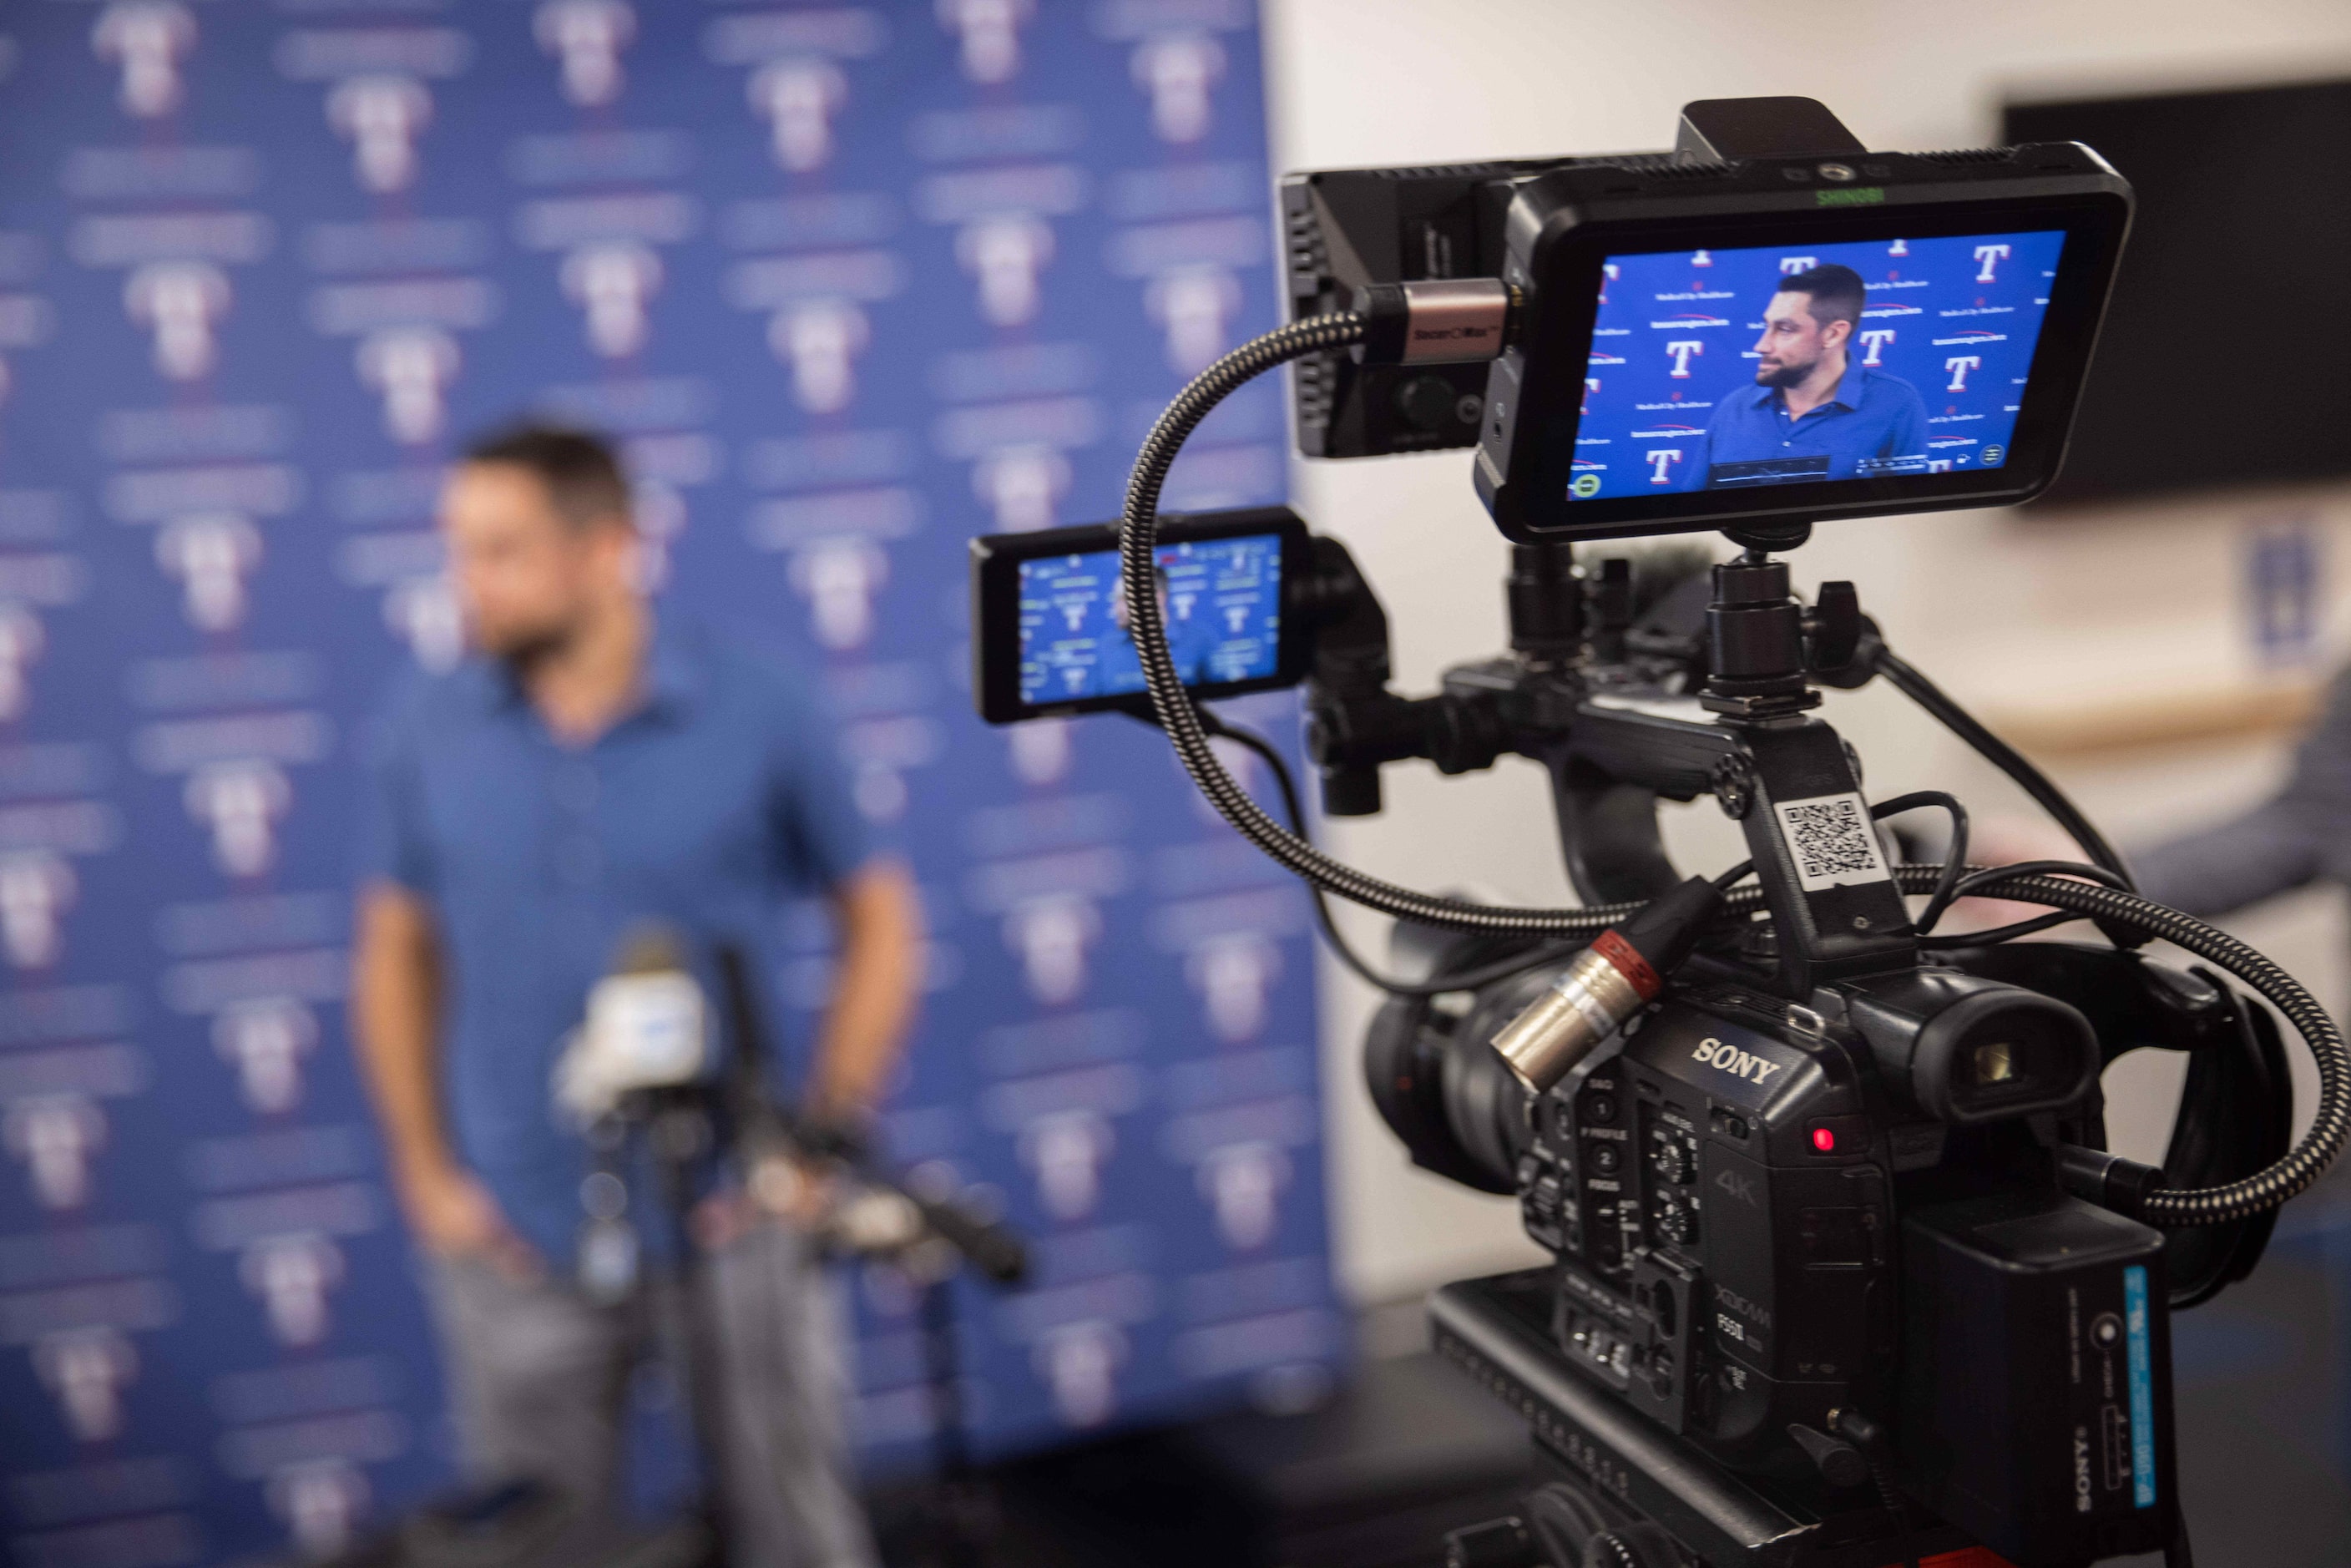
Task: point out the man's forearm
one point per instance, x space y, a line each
395 1003
875 989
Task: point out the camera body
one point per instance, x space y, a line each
1759 1225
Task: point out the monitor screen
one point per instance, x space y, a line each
1221 599
1723 370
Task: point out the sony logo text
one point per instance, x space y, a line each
1731 1059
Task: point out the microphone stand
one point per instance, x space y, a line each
679 1131
933 1238
966 1516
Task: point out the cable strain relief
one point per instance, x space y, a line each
1666 931
1384 315
2108 1180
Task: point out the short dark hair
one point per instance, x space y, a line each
581 470
1836 292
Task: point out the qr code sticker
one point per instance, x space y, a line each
1832 840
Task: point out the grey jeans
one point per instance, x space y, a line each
538 1376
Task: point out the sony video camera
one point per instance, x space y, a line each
1844 1270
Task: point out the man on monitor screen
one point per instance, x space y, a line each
1191 640
1816 411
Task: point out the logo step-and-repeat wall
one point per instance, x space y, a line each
852 284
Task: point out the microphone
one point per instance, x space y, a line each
996 1251
646 1027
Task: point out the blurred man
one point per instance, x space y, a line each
1814 411
589 773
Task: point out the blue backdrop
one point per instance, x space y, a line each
852 285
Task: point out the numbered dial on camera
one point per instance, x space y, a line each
1669 1144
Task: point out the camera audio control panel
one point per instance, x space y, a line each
1665 1176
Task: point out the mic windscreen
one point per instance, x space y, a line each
649 949
646 1027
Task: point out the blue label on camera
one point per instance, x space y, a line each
2142 1387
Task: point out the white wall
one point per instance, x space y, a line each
1999 609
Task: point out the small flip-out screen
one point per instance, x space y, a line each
1221 597
1731 369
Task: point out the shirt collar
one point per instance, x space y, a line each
1848 389
1849 385
674 679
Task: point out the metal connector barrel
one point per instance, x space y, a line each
1435 321
1565 1024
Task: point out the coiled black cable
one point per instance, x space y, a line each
1138 536
2329 1126
1947 889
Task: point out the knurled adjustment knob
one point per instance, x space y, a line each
1672 1162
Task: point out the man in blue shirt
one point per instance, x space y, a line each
591 773
1814 411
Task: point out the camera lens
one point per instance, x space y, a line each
1446 1094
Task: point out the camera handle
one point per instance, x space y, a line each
1749 740
1615 739
1793 784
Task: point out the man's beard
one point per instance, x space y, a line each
1786 375
527 650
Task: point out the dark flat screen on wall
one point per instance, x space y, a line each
2227 341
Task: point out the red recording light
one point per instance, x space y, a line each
1824 1140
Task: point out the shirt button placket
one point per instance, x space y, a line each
579 858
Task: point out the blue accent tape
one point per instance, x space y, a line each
2142 1387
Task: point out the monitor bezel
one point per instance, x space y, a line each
1568 257
996 608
